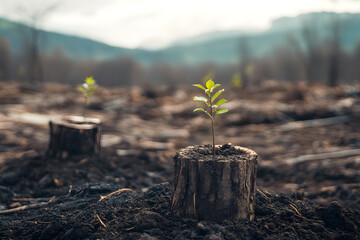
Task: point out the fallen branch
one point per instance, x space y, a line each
322 156
313 123
117 191
26 207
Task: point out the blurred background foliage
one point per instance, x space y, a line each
320 47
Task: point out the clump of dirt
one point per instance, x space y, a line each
132 215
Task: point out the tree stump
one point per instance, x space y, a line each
219 188
74 135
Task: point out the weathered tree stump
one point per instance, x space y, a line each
74 135
219 188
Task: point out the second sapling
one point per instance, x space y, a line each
87 89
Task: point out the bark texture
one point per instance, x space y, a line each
207 188
74 135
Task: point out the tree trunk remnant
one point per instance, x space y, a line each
219 188
74 135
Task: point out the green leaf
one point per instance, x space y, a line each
80 89
221 111
221 101
216 95
90 80
207 91
91 88
209 84
202 110
201 99
199 86
215 86
199 109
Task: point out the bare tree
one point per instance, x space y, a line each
245 59
334 52
313 59
293 59
124 71
5 59
33 15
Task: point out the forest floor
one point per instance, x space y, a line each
307 138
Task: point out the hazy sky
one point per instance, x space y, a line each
156 23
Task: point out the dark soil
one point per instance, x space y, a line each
227 151
143 130
130 215
41 177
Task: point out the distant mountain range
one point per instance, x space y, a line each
219 47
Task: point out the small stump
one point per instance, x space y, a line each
219 188
74 135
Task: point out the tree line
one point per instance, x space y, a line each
324 63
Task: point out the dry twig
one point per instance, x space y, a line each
295 210
117 191
263 194
102 223
26 207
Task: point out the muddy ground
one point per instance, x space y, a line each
307 137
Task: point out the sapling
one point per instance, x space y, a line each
213 108
87 89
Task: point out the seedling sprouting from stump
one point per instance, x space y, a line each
87 89
200 178
213 108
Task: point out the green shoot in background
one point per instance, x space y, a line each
236 81
213 108
87 89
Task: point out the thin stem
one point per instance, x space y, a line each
213 135
85 104
212 126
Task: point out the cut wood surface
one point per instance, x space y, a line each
207 188
74 135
